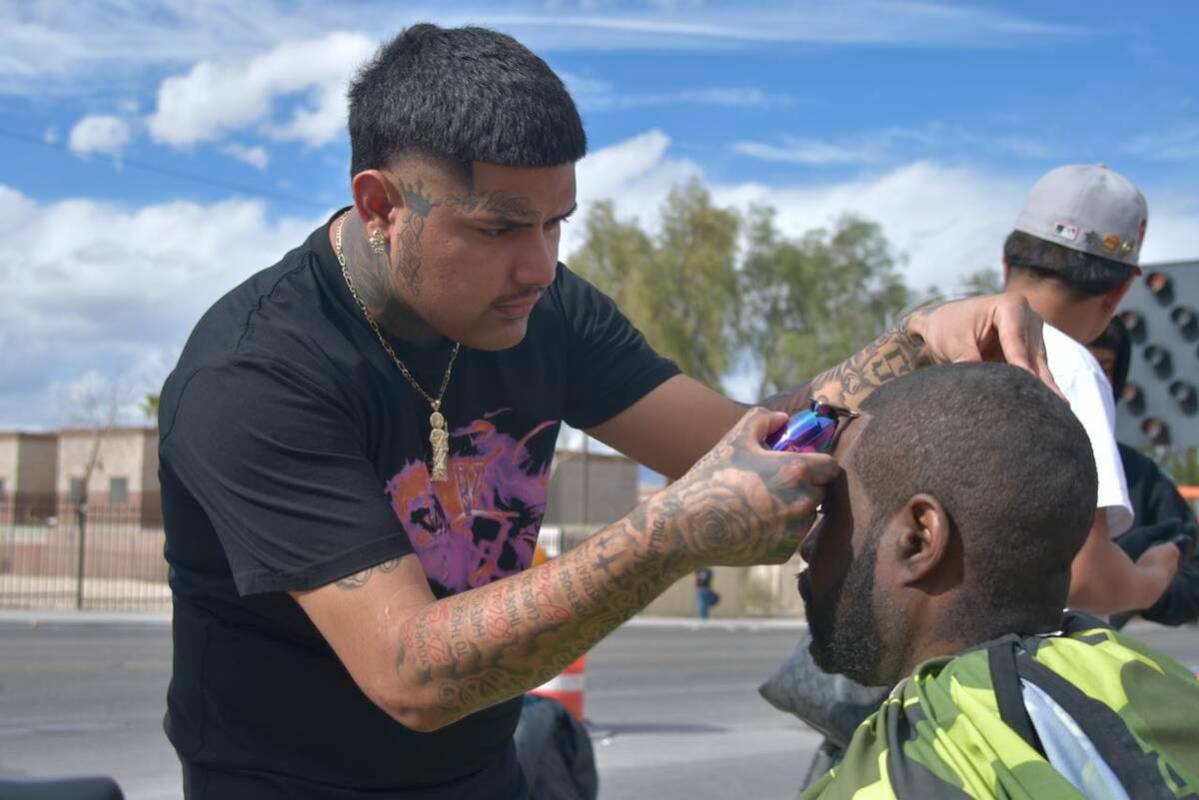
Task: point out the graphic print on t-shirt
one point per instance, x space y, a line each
482 523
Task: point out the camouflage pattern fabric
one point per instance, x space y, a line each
940 733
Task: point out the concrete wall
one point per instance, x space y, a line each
36 473
28 464
744 592
611 489
123 454
9 447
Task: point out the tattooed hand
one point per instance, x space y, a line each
742 503
997 327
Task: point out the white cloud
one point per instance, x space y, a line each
1173 233
1178 143
891 146
93 286
99 134
256 156
812 152
217 97
68 47
103 288
949 220
592 94
637 174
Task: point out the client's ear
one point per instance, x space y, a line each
923 541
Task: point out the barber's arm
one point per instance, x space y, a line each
429 662
672 426
1104 580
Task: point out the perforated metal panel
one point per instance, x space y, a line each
1161 402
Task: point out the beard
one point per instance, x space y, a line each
845 628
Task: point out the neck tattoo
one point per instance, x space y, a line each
439 436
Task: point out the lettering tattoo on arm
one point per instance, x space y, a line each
897 352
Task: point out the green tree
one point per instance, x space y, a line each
680 287
614 257
692 287
149 407
983 281
813 301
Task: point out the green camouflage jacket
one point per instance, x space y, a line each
958 728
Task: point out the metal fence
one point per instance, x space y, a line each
83 557
110 558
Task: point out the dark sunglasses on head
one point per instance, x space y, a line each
813 430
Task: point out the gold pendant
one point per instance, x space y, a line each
439 440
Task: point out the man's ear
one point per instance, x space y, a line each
375 199
924 539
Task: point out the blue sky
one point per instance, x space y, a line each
157 153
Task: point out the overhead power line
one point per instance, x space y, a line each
170 172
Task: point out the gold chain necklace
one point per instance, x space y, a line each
439 437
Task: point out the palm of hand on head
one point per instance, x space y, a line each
744 504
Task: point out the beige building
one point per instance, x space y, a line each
592 489
28 468
125 476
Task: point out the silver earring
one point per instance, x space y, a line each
378 243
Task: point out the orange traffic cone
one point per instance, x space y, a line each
567 687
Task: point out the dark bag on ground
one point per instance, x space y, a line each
555 753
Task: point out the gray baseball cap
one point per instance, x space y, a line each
1089 208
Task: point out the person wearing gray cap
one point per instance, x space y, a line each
1072 255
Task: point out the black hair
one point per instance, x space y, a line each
459 95
1013 468
1115 337
1084 274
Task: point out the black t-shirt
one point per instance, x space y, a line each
294 453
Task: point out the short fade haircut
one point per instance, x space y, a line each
1013 468
1084 274
459 95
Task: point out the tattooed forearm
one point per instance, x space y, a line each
507 637
738 505
359 579
897 352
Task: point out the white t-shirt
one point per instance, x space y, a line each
1081 379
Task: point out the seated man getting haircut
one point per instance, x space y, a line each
944 555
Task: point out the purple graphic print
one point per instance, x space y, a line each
482 523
